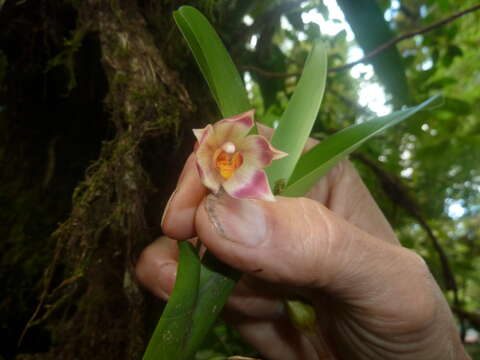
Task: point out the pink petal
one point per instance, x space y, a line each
234 128
204 155
249 182
257 151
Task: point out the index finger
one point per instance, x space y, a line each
179 214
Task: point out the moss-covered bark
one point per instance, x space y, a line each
132 85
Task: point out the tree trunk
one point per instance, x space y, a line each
134 86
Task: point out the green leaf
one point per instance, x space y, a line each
297 121
201 292
371 31
320 159
452 52
173 330
217 281
214 61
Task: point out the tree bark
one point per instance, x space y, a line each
89 296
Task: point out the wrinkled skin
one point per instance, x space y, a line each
374 299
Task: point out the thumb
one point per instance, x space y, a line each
300 242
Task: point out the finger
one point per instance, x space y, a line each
274 339
179 214
156 270
256 299
302 243
157 266
344 193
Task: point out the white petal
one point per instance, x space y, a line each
234 128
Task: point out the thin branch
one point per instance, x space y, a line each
473 318
376 51
408 35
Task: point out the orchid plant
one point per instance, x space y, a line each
231 156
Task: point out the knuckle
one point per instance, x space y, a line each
423 300
317 237
146 264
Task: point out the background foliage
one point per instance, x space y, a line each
91 138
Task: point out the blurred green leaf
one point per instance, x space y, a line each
295 18
371 31
452 52
456 106
441 83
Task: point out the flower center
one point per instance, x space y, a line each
227 160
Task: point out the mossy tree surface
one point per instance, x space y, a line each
96 125
97 102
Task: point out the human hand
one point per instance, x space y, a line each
374 299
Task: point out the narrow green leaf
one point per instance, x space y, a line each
201 292
320 159
215 63
297 120
196 49
217 281
173 330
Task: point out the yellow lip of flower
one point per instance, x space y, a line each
227 163
227 157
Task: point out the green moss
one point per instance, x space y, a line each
66 57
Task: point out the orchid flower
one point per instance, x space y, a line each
227 158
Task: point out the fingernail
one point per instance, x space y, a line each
239 220
167 274
165 211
